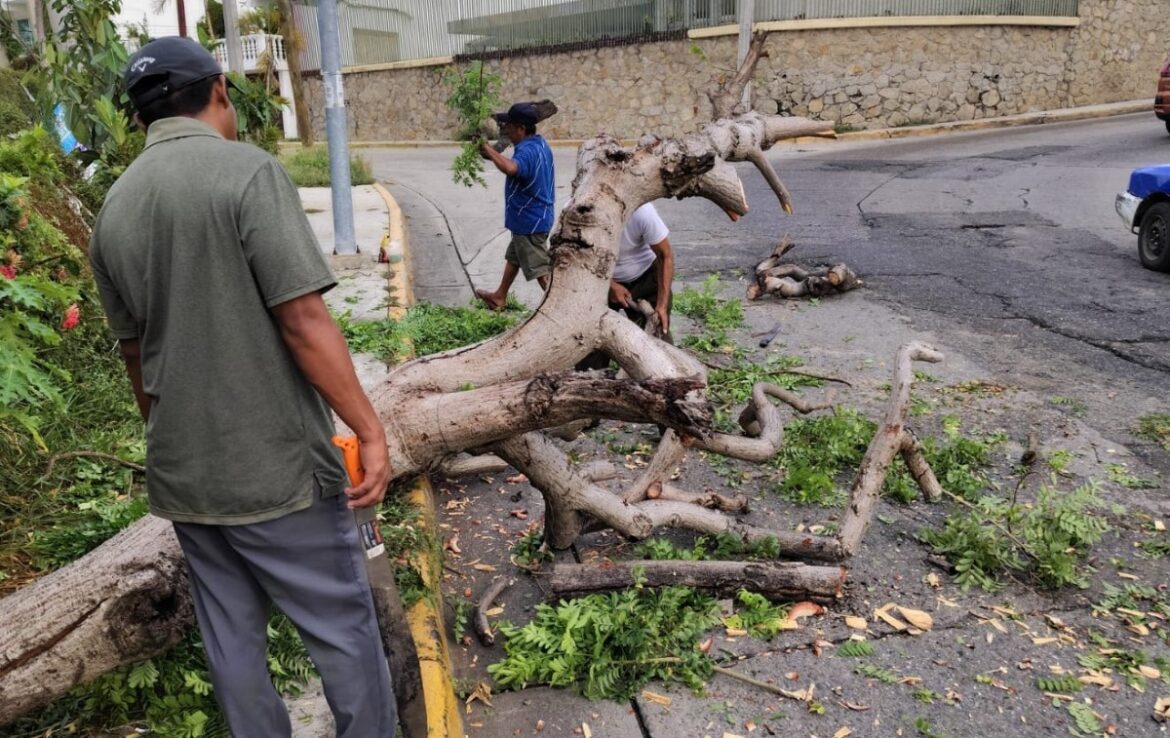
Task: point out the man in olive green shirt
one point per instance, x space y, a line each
211 279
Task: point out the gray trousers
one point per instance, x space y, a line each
310 564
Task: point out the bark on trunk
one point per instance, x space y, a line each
125 601
780 580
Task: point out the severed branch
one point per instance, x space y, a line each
774 277
483 629
727 100
779 580
891 438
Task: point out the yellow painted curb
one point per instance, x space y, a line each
427 629
400 283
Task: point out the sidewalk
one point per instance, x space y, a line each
455 242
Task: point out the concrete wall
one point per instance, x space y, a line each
860 77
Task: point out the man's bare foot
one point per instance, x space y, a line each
490 299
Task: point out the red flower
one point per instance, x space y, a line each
72 317
8 271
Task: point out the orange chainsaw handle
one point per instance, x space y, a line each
351 453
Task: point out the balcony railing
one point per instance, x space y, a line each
258 49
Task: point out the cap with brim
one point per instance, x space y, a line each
523 113
165 66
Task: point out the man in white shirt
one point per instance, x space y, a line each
644 271
645 267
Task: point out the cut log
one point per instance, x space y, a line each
779 580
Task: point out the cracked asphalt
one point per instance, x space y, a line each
1006 240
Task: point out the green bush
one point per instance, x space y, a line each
310 167
17 109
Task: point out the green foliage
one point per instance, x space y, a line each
816 450
1121 475
1156 547
427 329
1085 720
475 93
1064 684
257 111
17 109
722 547
1049 539
411 585
757 615
73 536
80 64
34 301
611 645
855 649
1155 427
1059 460
309 167
872 671
925 729
528 552
959 462
714 316
732 386
1135 597
1074 406
461 616
169 695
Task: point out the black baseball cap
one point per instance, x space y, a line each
167 65
523 113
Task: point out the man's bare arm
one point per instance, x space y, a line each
664 263
132 355
320 351
503 163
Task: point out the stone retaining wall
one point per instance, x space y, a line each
857 77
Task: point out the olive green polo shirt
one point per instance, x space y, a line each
195 244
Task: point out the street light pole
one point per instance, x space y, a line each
336 128
747 12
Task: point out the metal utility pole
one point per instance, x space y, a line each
231 33
747 13
336 129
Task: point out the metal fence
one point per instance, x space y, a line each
380 31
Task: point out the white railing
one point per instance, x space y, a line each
258 49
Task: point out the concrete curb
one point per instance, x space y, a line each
401 288
425 617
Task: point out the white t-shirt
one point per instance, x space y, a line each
635 256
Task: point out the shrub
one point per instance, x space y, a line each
310 168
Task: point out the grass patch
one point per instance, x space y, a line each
310 167
721 547
427 329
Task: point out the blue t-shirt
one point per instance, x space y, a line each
528 195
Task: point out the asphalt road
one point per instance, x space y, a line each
1005 241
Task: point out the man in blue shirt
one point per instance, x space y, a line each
528 200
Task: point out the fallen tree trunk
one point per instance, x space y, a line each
779 580
125 601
